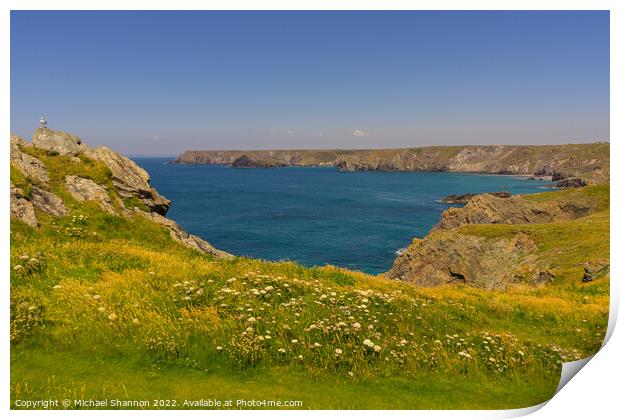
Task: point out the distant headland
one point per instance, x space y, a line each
569 164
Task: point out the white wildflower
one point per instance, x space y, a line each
368 343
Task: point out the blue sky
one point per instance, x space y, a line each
164 82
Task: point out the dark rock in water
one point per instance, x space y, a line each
571 183
244 161
457 198
558 176
464 198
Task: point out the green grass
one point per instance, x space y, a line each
596 195
108 306
76 376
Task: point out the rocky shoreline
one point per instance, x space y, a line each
477 245
567 165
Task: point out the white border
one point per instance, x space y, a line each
593 393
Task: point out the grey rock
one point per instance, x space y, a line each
444 257
571 183
56 141
47 202
464 198
514 210
29 166
594 269
191 241
130 179
83 189
21 208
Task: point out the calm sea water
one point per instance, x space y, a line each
314 216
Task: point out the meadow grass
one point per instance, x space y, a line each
106 306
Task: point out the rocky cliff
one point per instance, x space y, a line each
584 163
120 187
493 242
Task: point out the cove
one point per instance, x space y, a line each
314 215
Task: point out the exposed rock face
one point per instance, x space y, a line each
21 208
590 162
56 141
445 258
571 183
450 255
84 189
130 179
48 202
30 166
244 161
464 198
178 234
490 209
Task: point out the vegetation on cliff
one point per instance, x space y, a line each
493 242
581 163
111 304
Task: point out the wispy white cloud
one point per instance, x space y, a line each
281 131
359 133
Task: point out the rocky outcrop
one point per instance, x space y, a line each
449 254
130 179
570 183
83 189
21 208
464 198
589 161
447 258
178 234
47 202
59 142
490 209
28 165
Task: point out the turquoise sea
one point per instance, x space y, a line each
314 216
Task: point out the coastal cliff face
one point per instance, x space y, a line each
494 242
586 163
58 168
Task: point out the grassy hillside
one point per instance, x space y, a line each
105 306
